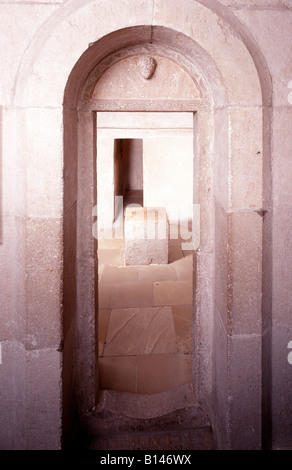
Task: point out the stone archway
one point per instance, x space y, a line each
122 86
87 127
227 166
215 298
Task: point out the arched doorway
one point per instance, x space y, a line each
145 313
232 127
164 117
213 293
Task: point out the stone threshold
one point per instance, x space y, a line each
185 428
145 406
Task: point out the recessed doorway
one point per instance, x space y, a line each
128 173
145 311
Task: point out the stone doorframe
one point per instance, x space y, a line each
232 181
227 327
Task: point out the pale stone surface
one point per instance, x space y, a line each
282 168
157 273
203 322
12 161
114 274
242 258
231 55
132 294
239 60
111 244
12 255
146 235
246 158
43 157
221 163
140 331
173 293
14 45
221 267
246 257
169 185
105 183
35 2
204 180
43 275
275 46
114 257
76 40
257 3
167 137
184 268
134 332
158 373
142 120
127 83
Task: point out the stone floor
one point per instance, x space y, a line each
145 346
145 320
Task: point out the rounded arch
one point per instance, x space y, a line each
78 25
213 190
231 74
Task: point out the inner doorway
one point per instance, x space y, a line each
145 311
128 173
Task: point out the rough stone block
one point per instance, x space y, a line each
282 266
282 169
245 392
146 236
245 252
44 399
220 381
43 276
246 158
12 396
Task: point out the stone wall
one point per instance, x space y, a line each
240 54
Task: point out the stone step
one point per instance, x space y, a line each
183 429
187 439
